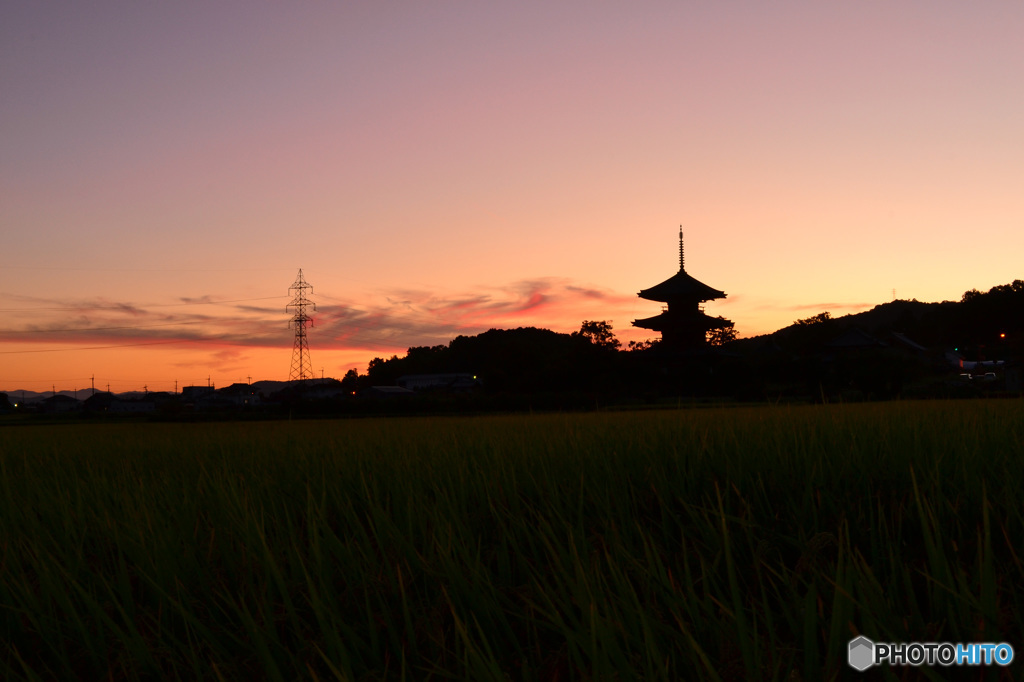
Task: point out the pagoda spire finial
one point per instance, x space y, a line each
682 261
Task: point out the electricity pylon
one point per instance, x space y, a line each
302 366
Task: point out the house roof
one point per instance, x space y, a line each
391 390
60 398
902 338
855 338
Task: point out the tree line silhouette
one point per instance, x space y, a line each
905 348
898 348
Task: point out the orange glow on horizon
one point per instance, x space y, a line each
449 168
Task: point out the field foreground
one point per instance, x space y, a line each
710 544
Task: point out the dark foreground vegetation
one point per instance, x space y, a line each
740 544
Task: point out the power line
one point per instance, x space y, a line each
36 267
120 345
122 307
47 381
391 325
382 344
96 329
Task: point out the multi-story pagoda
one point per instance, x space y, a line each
682 322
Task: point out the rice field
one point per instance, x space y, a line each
708 544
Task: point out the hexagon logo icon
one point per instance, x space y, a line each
862 653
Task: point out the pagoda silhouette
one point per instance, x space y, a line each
682 322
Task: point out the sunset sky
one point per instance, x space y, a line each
445 167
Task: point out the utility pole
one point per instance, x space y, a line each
92 381
302 367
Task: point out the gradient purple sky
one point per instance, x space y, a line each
438 168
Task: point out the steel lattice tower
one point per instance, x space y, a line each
302 366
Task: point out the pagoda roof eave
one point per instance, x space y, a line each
653 323
667 320
679 285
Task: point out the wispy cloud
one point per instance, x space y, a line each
830 306
390 320
556 303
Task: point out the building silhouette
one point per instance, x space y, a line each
683 324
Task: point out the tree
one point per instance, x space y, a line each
722 334
382 371
350 382
820 318
646 344
425 360
598 333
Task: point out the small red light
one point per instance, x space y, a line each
1002 336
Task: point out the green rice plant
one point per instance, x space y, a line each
717 544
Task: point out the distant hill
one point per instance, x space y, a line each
29 397
980 323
